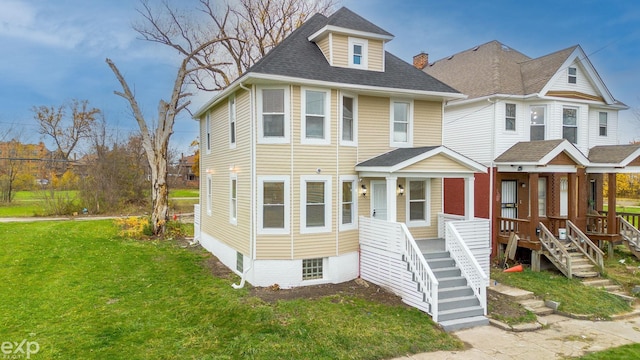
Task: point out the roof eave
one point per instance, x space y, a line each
340 30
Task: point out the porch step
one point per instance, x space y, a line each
536 306
460 313
464 323
454 281
436 255
454 292
586 274
609 286
457 302
446 272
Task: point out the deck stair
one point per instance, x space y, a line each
458 307
576 255
630 236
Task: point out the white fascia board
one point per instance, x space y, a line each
340 30
490 98
219 97
634 155
607 169
572 151
391 92
537 169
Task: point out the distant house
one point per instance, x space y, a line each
27 158
185 168
547 130
324 162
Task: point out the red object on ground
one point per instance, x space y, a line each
517 268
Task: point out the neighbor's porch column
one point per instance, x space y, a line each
571 198
469 196
611 212
583 198
534 204
392 184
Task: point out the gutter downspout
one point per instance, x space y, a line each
252 229
491 177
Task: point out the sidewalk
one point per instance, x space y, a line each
562 337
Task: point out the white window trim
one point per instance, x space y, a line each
606 126
409 142
364 64
287 116
545 120
353 142
287 205
208 132
427 204
327 117
232 121
327 204
209 192
233 217
354 203
572 126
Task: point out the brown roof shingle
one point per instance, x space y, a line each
611 154
528 151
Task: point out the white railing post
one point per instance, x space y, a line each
196 222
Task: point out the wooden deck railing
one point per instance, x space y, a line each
597 224
585 245
522 227
555 251
556 222
629 232
632 218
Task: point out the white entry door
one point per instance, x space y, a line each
379 200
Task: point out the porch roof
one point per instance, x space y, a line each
421 161
543 153
614 158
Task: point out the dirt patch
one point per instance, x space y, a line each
502 307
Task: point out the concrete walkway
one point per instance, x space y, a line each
561 337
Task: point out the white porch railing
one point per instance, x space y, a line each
389 254
445 218
469 266
196 222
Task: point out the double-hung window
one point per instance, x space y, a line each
209 194
315 112
273 107
602 120
537 123
273 198
348 202
570 124
572 75
418 213
233 200
358 49
349 120
315 204
510 117
232 121
401 123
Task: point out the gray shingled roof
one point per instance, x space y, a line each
297 57
396 156
494 68
528 151
608 154
347 19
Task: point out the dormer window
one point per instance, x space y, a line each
358 49
572 75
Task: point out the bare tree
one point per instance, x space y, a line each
217 43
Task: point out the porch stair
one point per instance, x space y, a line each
609 286
458 307
574 256
630 236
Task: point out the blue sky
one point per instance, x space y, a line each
54 51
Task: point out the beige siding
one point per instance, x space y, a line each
373 126
376 54
436 163
427 123
340 50
221 163
324 45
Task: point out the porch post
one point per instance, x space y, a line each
611 199
392 184
571 198
469 197
534 212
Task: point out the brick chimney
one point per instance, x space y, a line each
421 60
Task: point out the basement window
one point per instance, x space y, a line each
312 269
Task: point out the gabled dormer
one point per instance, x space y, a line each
350 41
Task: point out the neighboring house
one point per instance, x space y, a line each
324 162
541 125
185 168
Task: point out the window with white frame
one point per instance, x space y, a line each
208 133
233 199
542 196
602 120
312 269
537 123
348 202
315 204
273 107
209 194
273 198
418 203
232 121
349 120
315 111
358 49
572 75
401 123
510 117
570 124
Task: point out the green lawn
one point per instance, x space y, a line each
80 291
184 193
625 352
